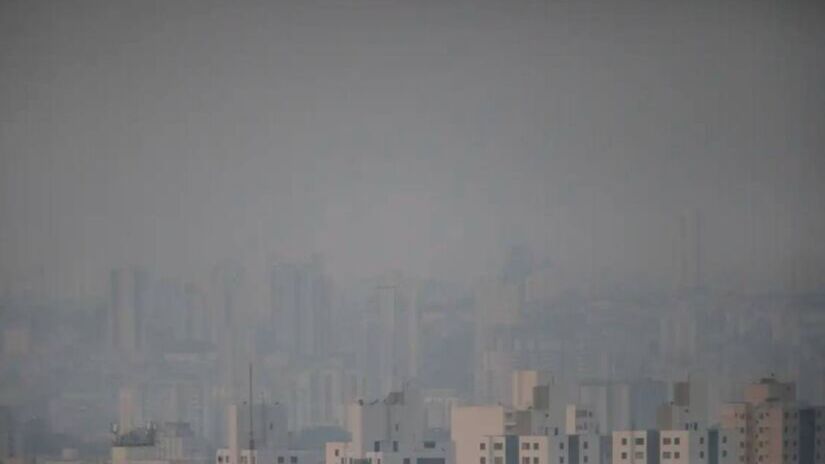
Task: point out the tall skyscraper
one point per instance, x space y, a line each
127 307
300 307
392 337
690 265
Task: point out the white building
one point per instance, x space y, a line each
170 443
388 431
271 439
581 420
541 449
684 447
438 406
636 447
524 382
472 425
610 402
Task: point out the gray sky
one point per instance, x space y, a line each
425 136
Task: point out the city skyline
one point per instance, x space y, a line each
412 232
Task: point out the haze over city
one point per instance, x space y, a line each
435 207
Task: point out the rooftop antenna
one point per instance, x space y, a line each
251 430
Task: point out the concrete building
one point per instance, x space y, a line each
541 449
581 420
398 420
687 410
770 389
169 443
128 300
812 435
636 447
734 433
438 406
270 434
686 447
388 352
273 456
300 311
130 408
320 395
610 402
388 431
771 427
524 383
471 425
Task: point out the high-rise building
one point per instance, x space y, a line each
388 354
771 427
127 308
10 436
300 307
130 408
690 257
524 382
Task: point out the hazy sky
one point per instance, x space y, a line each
420 135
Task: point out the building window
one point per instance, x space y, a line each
525 446
337 452
498 460
406 460
395 446
666 440
525 460
676 441
639 441
584 444
294 459
624 441
497 446
280 460
482 460
535 460
482 446
376 446
535 445
666 455
561 445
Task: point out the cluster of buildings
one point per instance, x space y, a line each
768 426
167 360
